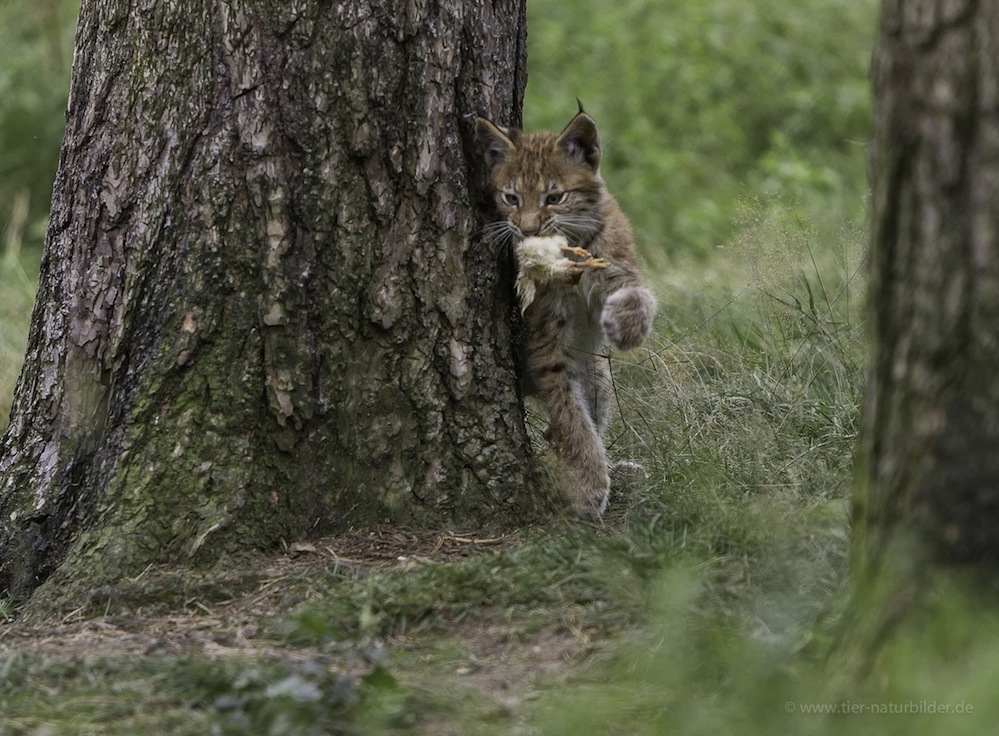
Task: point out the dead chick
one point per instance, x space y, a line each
543 260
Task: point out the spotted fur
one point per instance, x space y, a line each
547 184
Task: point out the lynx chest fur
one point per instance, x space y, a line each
549 186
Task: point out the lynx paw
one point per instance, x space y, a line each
591 508
627 316
590 491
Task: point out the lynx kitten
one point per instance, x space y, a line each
549 185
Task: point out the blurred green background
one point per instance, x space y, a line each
708 103
36 51
701 105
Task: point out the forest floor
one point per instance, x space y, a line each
245 638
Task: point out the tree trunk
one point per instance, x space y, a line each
928 484
264 312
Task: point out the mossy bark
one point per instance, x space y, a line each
263 311
927 493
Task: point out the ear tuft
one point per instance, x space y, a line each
580 140
496 141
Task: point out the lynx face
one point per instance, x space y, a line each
545 184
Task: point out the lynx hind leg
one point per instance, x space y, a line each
583 471
587 495
627 316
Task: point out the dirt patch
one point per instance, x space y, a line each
487 678
382 546
217 614
511 669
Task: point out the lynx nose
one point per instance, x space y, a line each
530 224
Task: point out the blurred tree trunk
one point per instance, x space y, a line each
928 480
263 312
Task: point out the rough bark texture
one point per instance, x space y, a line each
263 311
929 469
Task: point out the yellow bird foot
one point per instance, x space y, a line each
588 261
581 252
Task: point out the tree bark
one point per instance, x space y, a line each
928 480
264 311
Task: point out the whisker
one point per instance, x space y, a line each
498 234
576 227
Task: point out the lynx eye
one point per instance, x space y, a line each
553 198
511 199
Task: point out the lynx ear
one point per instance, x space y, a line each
495 140
580 140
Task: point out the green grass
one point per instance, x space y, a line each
681 677
186 695
557 579
18 276
709 602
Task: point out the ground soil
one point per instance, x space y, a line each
222 614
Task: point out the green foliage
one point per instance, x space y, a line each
36 45
310 696
113 695
36 48
6 609
703 103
